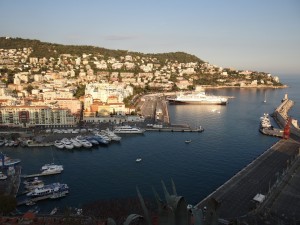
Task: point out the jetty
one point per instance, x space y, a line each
264 191
40 174
175 129
275 132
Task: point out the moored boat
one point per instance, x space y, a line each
198 98
49 190
49 169
128 130
6 161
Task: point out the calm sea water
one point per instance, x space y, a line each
230 141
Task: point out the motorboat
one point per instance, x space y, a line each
34 183
84 142
76 143
188 141
138 160
49 169
100 140
49 190
128 130
59 144
92 140
111 135
67 143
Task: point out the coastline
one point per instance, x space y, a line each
258 87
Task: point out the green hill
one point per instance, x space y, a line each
44 49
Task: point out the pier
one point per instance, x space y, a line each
235 197
265 191
40 174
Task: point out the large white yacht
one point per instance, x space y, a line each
128 130
199 98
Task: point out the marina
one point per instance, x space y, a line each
97 161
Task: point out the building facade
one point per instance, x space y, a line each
33 116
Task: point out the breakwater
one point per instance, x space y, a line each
281 116
235 199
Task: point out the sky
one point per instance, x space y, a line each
257 35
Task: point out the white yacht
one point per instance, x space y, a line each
59 144
49 190
84 142
111 135
76 143
128 130
199 98
67 143
49 169
32 184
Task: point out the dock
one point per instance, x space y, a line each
51 196
174 129
275 132
39 174
235 197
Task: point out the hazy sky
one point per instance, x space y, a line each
260 35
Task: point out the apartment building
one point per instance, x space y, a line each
32 116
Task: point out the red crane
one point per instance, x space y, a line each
287 128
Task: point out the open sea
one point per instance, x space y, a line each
231 140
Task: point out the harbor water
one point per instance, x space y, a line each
231 140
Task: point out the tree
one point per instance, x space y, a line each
80 91
29 88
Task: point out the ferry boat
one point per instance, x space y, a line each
198 98
128 130
49 190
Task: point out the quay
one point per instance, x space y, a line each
175 129
265 191
235 197
272 132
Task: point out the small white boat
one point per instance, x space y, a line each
138 159
53 211
188 141
59 144
49 169
76 143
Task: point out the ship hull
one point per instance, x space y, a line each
177 102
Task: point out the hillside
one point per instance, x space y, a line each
45 49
